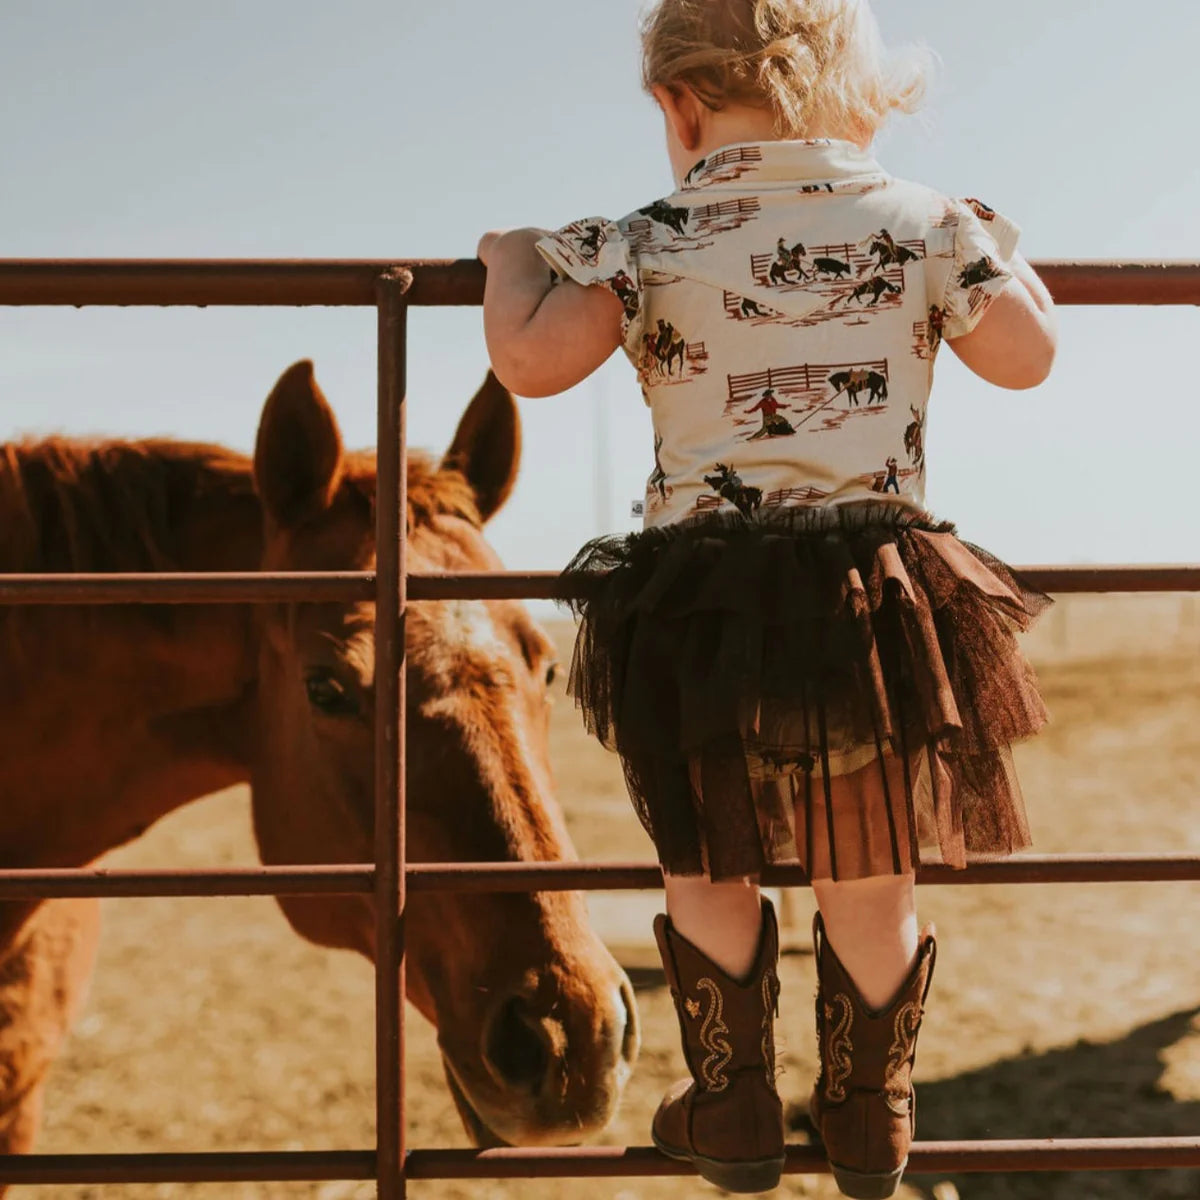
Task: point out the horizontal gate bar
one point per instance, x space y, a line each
240 587
340 880
264 587
1049 1154
257 282
926 1158
356 879
615 877
250 1166
301 282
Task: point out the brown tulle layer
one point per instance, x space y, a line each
837 685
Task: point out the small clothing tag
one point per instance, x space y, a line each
637 508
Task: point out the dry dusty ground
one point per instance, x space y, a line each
1056 1011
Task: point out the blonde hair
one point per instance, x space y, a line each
820 65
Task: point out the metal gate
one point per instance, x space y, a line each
391 288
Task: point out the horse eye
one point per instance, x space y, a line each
551 674
327 694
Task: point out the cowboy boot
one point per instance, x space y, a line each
727 1120
864 1105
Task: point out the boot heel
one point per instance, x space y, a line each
868 1187
742 1178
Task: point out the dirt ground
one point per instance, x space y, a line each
1064 1011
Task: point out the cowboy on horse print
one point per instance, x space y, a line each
727 483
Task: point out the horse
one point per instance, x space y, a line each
876 287
660 352
727 484
914 439
892 254
786 261
591 241
675 217
658 477
853 382
112 717
977 272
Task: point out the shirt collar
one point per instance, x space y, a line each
822 163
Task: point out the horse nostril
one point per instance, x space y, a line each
515 1045
632 1040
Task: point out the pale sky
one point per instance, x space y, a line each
398 128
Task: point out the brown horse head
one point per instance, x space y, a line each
535 1020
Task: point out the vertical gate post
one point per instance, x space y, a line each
391 514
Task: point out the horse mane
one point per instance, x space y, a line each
73 505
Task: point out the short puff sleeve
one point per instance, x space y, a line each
984 243
595 251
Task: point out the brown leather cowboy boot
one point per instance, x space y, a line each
863 1105
727 1119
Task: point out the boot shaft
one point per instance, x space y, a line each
727 1120
726 1025
864 1049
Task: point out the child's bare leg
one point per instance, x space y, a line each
722 920
871 922
872 926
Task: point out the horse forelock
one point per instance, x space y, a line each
433 490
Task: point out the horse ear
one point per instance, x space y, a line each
487 446
298 454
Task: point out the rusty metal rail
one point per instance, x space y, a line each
441 282
391 287
355 880
249 587
927 1158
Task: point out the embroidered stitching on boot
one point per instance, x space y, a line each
713 1039
770 994
904 1029
838 1047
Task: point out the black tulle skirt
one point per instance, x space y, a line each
837 685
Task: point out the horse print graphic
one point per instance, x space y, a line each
980 271
853 382
817 397
667 357
914 439
889 253
664 228
858 279
728 486
670 215
625 290
875 288
724 167
657 489
972 279
787 259
927 334
587 237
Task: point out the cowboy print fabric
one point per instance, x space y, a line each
783 311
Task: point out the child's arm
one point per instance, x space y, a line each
543 337
1014 343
